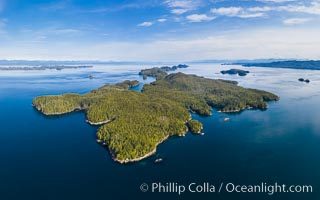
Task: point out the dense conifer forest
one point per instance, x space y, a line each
134 123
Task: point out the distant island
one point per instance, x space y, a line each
133 124
160 72
57 67
292 64
304 80
235 71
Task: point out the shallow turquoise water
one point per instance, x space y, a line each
58 157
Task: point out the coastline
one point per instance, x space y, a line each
98 123
56 113
88 121
76 109
111 152
126 161
139 158
241 110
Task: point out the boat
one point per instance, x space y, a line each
158 160
201 134
226 119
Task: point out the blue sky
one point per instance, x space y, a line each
159 30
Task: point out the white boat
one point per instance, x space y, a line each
158 160
226 119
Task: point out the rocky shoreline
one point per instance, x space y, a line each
139 158
55 113
98 123
154 151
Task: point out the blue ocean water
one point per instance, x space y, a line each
58 157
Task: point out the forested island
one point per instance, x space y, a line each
292 64
134 123
56 67
235 71
160 72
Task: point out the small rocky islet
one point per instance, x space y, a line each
304 80
135 123
240 72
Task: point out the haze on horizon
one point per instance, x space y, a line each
159 30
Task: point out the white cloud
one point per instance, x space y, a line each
227 11
145 24
277 1
237 12
251 15
294 21
179 11
262 43
65 31
116 8
199 18
182 6
313 8
252 12
162 20
187 4
303 43
59 31
259 9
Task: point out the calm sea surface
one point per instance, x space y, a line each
57 158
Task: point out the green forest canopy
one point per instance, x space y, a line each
142 120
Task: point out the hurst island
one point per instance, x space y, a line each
132 124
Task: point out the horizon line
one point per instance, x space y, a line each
3 61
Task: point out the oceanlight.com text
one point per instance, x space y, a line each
206 187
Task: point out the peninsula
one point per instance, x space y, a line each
133 124
195 126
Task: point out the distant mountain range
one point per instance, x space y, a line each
56 67
272 62
85 62
241 61
69 62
